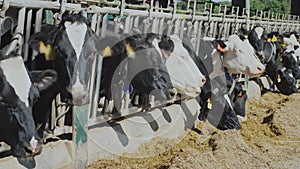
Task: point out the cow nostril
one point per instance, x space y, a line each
260 69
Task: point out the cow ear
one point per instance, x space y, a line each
42 80
107 52
130 50
47 50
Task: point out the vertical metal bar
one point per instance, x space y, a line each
161 26
198 39
80 124
154 25
247 28
131 23
20 27
127 24
189 29
177 26
98 27
27 34
104 25
38 25
182 28
95 87
211 30
94 22
136 22
53 114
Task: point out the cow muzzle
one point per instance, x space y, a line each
80 95
34 147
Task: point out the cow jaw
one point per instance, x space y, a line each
16 75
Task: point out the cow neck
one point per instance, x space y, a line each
273 52
16 75
218 65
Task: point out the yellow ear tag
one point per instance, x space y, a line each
130 51
47 50
274 38
209 104
269 40
278 78
107 52
281 58
246 36
240 94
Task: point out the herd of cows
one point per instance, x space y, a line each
142 65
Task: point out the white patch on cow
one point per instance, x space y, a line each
76 33
259 31
156 46
33 143
183 71
239 57
205 56
16 75
228 100
241 118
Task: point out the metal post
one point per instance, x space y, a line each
248 28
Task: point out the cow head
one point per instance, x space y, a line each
184 73
257 38
18 95
239 57
74 46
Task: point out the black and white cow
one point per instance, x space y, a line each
269 48
18 95
222 107
290 58
75 47
160 64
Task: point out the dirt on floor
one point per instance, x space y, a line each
270 138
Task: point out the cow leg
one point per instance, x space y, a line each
117 96
144 101
105 106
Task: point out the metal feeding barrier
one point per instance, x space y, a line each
194 21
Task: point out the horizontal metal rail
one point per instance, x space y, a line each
37 4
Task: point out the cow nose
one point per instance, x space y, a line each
80 98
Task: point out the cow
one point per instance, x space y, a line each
18 94
290 58
221 97
75 47
257 38
47 85
161 64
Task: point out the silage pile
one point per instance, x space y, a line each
270 138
